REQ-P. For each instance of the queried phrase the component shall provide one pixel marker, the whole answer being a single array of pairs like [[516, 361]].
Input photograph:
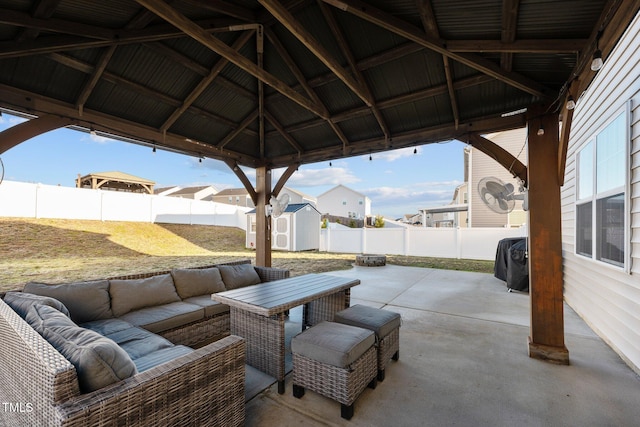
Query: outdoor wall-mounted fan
[[500, 197], [277, 206]]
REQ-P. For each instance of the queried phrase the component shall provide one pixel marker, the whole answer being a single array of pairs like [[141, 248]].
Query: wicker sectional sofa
[[147, 349]]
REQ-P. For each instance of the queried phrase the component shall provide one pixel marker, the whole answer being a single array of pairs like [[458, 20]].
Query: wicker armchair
[[38, 386]]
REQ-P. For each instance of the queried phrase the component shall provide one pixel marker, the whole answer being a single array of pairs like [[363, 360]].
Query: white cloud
[[396, 201], [319, 177], [101, 139]]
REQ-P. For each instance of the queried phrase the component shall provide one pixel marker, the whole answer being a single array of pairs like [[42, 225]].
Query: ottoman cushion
[[333, 344], [382, 322]]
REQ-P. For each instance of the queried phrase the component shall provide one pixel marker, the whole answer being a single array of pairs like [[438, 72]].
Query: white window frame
[[595, 196]]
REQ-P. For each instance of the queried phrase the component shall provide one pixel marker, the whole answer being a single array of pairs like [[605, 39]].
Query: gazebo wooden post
[[263, 229], [546, 340]]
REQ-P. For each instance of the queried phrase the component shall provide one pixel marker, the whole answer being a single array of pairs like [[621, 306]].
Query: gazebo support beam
[[546, 340], [263, 223], [19, 133]]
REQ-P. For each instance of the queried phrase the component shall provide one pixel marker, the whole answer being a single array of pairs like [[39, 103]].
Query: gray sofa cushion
[[107, 326], [164, 317], [238, 276], [191, 282], [138, 342], [333, 344], [161, 356], [211, 307], [21, 302], [382, 322], [132, 294], [86, 301], [98, 360]]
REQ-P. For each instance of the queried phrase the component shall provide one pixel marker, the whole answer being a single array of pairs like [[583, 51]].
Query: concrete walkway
[[463, 362]]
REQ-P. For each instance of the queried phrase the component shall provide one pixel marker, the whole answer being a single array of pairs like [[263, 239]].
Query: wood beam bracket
[[245, 181]]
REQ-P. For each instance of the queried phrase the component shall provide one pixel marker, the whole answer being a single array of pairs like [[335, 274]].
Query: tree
[[379, 221]]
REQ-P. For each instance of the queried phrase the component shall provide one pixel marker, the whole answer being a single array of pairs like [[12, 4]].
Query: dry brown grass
[[54, 251]]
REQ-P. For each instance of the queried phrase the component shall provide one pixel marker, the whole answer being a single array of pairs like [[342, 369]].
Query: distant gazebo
[[115, 181]]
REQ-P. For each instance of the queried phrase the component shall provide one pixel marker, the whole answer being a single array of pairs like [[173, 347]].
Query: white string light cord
[[1, 171]]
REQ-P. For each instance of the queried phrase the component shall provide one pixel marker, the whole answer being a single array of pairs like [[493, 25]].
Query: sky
[[398, 182]]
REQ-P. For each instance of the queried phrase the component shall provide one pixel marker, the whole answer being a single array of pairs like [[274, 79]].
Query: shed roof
[[292, 208]]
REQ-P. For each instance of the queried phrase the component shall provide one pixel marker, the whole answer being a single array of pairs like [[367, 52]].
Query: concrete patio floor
[[463, 361]]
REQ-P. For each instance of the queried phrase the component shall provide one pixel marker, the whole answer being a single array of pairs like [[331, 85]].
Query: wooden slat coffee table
[[258, 314]]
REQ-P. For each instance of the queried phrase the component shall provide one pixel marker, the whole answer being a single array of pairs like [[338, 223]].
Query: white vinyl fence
[[25, 200], [461, 243]]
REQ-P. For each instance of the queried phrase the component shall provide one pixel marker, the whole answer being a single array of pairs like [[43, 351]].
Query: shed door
[[280, 233]]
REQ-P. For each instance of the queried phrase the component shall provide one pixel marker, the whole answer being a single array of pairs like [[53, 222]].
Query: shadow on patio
[[463, 361]]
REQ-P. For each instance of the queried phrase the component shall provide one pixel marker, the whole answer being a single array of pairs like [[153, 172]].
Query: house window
[[601, 195], [344, 203]]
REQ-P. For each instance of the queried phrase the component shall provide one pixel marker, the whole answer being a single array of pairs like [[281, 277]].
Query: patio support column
[[263, 223], [546, 340]]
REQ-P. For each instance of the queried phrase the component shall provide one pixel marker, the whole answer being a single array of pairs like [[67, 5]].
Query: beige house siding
[[483, 166], [605, 296]]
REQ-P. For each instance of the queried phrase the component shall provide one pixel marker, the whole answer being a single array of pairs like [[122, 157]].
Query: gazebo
[[279, 83], [116, 181]]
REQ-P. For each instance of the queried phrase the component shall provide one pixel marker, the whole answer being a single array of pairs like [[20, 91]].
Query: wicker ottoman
[[385, 324], [335, 360]]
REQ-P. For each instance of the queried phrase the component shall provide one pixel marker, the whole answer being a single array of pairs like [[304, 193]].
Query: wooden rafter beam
[[84, 67], [21, 132], [18, 99], [295, 70], [406, 139], [508, 33], [298, 30], [500, 155], [612, 23], [243, 179], [402, 28], [431, 28], [544, 46], [93, 37], [348, 54], [286, 135], [239, 129], [284, 178], [399, 100], [43, 9], [192, 29], [226, 8], [204, 83]]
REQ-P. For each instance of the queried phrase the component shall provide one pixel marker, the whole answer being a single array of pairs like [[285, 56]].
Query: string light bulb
[[596, 62], [540, 130], [415, 150], [154, 149], [571, 103], [92, 131]]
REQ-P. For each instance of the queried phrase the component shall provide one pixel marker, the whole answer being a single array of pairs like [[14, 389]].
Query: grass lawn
[[57, 250]]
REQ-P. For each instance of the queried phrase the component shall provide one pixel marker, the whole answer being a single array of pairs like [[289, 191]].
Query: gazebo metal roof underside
[[284, 82]]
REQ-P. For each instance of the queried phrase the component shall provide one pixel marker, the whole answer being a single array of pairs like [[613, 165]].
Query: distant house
[[165, 191], [115, 181], [240, 197], [234, 196], [480, 166], [345, 202], [205, 192], [297, 229], [296, 196], [455, 214]]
